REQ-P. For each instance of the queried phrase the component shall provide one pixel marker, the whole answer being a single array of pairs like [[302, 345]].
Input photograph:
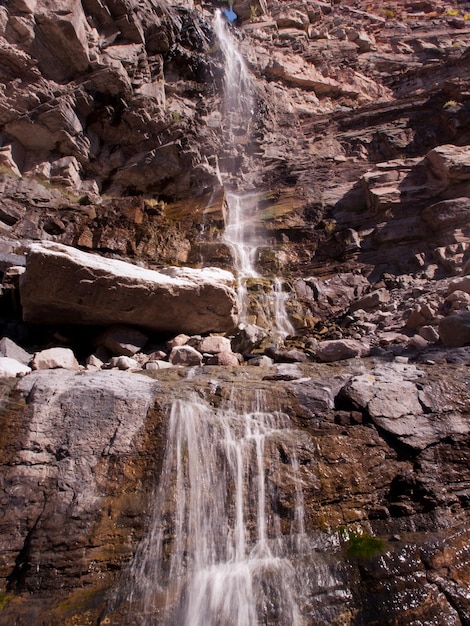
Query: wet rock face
[[78, 436], [112, 141], [84, 451]]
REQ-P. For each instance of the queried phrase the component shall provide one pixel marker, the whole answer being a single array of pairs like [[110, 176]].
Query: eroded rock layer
[[113, 141], [382, 449]]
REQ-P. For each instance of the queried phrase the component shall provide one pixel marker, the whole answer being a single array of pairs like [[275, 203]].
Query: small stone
[[124, 363], [141, 358], [429, 333], [247, 337], [458, 300], [371, 300], [401, 359], [122, 340], [94, 363], [391, 337], [285, 371], [343, 418], [261, 361], [227, 358], [10, 349], [12, 368], [157, 365], [286, 356], [53, 358], [180, 340], [157, 355], [185, 356], [415, 320], [214, 344], [340, 349], [418, 342]]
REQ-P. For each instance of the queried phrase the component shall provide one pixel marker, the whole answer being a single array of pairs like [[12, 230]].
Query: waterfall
[[218, 552], [242, 237], [238, 87], [227, 521], [243, 233], [284, 326]]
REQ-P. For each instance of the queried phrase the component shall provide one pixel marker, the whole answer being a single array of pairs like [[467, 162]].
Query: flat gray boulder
[[67, 286]]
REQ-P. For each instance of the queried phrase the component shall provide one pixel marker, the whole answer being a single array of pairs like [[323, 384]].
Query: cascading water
[[218, 550], [243, 232], [242, 237], [222, 540], [238, 91], [284, 327]]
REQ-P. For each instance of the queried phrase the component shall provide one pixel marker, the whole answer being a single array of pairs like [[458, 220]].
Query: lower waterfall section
[[220, 550], [262, 300]]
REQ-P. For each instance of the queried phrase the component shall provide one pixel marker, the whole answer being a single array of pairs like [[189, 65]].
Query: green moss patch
[[363, 546]]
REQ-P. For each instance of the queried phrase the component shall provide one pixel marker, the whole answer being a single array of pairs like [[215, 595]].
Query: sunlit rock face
[[115, 146]]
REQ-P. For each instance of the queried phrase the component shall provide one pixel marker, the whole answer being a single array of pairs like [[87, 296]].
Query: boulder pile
[[425, 320]]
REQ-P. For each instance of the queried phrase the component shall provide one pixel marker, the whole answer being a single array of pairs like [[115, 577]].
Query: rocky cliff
[[113, 143]]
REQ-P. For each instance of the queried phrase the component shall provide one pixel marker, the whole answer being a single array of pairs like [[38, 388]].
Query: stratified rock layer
[[113, 140], [67, 286]]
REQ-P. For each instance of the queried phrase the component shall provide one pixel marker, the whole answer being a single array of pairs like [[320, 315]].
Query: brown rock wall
[[112, 141], [88, 458]]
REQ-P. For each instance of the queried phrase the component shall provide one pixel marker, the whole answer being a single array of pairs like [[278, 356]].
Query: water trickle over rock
[[114, 139]]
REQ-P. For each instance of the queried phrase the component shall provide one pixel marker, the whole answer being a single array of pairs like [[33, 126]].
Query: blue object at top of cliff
[[230, 14]]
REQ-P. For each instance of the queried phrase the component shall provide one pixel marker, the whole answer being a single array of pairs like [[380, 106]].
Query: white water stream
[[243, 232], [216, 554], [220, 547], [238, 87]]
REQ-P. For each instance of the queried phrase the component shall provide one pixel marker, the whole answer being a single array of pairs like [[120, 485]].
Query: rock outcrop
[[114, 160], [65, 286], [382, 450], [73, 440]]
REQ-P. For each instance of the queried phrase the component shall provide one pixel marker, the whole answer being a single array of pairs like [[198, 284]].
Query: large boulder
[[61, 44], [447, 214], [64, 285], [450, 163], [185, 355]]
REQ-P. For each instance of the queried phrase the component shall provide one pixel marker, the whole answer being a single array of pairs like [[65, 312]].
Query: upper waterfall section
[[237, 104]]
